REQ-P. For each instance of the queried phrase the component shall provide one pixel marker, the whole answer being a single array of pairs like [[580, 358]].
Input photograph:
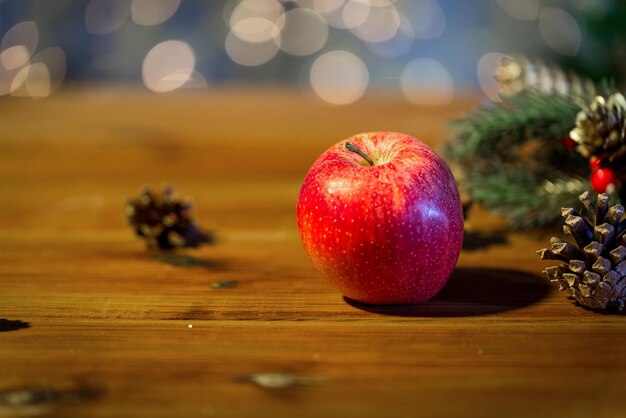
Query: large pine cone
[[592, 269], [601, 129]]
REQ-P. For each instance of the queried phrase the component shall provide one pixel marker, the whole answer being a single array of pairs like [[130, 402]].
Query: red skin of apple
[[384, 234]]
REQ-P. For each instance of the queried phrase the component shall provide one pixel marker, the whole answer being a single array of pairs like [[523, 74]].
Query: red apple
[[380, 215]]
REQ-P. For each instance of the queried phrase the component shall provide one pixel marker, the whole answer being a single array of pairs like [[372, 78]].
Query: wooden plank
[[92, 324]]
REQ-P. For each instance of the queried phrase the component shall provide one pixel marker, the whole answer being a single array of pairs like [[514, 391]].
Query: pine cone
[[164, 220], [519, 73], [601, 129], [592, 269]]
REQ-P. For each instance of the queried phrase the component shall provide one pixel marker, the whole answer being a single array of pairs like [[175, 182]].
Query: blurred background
[[428, 51]]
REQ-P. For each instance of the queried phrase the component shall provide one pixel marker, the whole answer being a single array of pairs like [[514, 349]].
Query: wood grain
[[93, 325]]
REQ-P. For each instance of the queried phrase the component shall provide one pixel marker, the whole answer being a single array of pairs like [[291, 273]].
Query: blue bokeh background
[[472, 29]]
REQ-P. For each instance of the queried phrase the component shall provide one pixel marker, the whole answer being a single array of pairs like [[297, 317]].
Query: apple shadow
[[475, 240], [472, 292]]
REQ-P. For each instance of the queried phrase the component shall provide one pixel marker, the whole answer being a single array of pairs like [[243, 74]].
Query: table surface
[[93, 324]]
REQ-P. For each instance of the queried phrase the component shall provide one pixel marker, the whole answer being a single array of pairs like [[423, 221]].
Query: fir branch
[[525, 199], [513, 159], [511, 122]]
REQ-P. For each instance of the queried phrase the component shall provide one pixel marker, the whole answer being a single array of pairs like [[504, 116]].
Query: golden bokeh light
[[486, 70], [381, 23], [267, 9], [322, 6], [55, 61], [339, 77], [24, 72], [355, 13], [14, 57], [32, 81], [255, 29], [24, 34], [250, 54], [304, 32], [153, 12], [168, 66], [392, 36]]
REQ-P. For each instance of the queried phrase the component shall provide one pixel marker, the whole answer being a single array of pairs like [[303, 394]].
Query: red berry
[[595, 163], [603, 179], [568, 142]]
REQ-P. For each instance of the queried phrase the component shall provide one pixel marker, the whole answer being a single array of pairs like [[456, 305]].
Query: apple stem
[[352, 148]]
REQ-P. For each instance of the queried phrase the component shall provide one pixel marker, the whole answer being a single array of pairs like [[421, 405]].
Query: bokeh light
[[24, 36], [560, 31], [42, 76], [339, 77], [355, 13], [303, 32], [56, 64], [380, 3], [168, 66], [6, 78], [266, 9], [382, 23], [390, 39], [17, 82], [195, 81], [14, 57], [106, 16], [427, 81], [248, 53], [486, 70], [255, 29], [427, 18], [322, 6], [521, 10], [397, 46], [25, 72], [32, 81], [153, 12], [334, 16]]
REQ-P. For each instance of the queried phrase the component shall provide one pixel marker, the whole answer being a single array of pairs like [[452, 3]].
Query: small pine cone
[[593, 267], [601, 129], [164, 220], [518, 73]]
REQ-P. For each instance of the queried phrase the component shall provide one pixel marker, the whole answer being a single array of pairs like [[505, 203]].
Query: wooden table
[[94, 325]]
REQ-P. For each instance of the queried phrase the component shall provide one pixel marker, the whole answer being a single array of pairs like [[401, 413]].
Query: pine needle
[[513, 159]]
